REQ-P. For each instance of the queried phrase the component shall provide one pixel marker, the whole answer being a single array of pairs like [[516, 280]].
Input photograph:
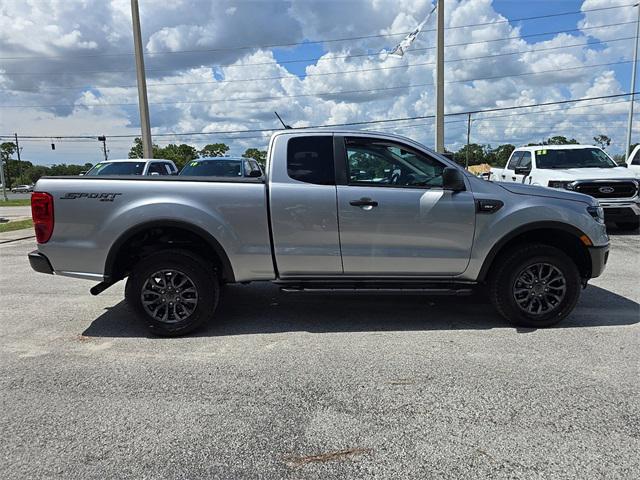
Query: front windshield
[[213, 168], [117, 168], [573, 158]]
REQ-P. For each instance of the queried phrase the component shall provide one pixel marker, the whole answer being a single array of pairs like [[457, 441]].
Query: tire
[[628, 226], [175, 279], [514, 285]]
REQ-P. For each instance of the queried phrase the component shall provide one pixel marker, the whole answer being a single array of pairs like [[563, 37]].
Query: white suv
[[581, 168]]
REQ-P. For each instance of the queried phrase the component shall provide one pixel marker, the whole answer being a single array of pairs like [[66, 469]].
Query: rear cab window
[[310, 160]]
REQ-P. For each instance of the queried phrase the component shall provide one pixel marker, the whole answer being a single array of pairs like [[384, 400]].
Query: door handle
[[364, 202], [503, 176]]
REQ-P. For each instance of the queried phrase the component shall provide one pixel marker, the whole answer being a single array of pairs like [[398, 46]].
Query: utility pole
[[634, 67], [18, 153], [440, 78], [4, 184], [468, 137], [103, 139], [145, 124]]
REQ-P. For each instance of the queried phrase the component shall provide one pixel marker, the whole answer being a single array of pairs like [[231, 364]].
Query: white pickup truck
[[580, 168], [633, 162]]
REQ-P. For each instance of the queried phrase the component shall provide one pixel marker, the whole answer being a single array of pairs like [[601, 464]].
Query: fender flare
[[544, 225], [227, 269]]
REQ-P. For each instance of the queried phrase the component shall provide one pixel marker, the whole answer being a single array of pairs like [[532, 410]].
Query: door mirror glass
[[453, 179]]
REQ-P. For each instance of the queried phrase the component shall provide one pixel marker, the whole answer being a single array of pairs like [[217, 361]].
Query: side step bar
[[378, 288]]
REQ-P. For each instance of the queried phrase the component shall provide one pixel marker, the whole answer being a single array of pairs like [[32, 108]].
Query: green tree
[[137, 151], [560, 140], [7, 149], [477, 154], [214, 150], [602, 140], [501, 154], [179, 154], [259, 156]]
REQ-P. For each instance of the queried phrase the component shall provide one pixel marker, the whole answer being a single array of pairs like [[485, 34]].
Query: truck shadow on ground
[[262, 308]]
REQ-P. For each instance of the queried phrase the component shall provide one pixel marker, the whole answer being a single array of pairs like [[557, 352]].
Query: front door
[[395, 219]]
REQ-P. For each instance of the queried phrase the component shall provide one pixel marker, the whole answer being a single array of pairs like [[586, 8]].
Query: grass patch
[[22, 202], [19, 225]]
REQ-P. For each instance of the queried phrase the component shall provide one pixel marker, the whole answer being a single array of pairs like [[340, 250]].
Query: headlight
[[597, 213], [561, 184]]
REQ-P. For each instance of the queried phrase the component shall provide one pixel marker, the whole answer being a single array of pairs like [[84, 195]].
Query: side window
[[255, 166], [310, 160], [513, 161], [525, 160], [158, 168], [636, 159], [380, 162]]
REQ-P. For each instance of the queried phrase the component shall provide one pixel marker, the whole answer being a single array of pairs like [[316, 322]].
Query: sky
[[66, 68]]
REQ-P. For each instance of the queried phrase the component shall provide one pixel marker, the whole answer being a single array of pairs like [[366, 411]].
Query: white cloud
[[72, 30]]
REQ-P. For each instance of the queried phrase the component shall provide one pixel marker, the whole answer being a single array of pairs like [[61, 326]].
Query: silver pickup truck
[[335, 211]]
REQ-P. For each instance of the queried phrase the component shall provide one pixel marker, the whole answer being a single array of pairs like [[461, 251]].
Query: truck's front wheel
[[535, 286], [175, 292]]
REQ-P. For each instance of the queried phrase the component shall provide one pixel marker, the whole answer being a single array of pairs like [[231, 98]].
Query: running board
[[378, 288]]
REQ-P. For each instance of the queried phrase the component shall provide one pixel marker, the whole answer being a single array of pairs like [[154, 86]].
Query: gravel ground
[[317, 387]]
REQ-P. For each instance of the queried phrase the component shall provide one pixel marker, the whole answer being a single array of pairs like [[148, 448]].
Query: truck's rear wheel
[[174, 292], [535, 286]]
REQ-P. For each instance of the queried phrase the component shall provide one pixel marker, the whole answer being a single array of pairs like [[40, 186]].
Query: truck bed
[[92, 214]]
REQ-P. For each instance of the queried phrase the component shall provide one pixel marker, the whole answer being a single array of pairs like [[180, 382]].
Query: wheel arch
[[212, 248], [556, 234]]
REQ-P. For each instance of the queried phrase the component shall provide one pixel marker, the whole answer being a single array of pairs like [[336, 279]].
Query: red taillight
[[42, 214]]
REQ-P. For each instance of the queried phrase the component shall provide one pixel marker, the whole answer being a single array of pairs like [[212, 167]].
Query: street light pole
[[2, 181], [468, 138], [634, 67], [440, 78], [145, 124]]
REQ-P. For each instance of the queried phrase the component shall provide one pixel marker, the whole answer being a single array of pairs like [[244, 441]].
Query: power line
[[317, 94], [556, 32], [331, 40], [346, 124], [343, 72]]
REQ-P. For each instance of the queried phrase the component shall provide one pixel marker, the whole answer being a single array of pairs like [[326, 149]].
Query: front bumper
[[40, 263], [620, 212], [599, 257]]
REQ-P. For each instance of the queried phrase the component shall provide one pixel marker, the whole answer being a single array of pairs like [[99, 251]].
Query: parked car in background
[[222, 167], [22, 189], [129, 166], [633, 162], [580, 168]]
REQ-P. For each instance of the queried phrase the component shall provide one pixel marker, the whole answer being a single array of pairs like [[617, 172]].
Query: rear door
[[395, 218], [302, 202]]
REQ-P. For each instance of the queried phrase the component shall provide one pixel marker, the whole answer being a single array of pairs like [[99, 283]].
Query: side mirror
[[254, 173], [522, 171], [453, 179]]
